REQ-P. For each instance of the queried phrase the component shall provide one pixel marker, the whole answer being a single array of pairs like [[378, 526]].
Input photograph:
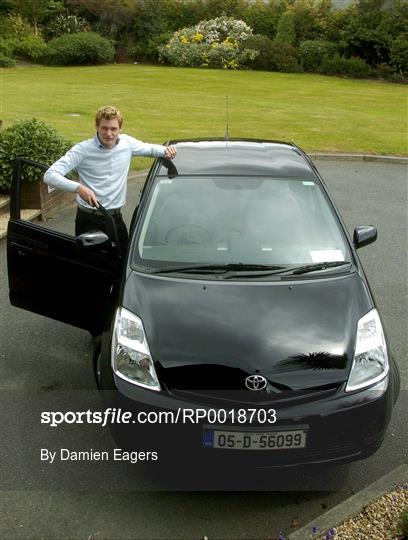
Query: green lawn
[[158, 103]]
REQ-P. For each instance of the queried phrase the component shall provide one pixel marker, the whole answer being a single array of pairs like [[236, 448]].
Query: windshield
[[237, 220]]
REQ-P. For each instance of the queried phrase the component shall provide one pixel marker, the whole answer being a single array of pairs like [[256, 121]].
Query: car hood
[[211, 334]]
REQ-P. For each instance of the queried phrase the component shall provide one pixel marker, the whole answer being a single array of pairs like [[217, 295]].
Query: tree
[[361, 30], [263, 17], [36, 10], [286, 32], [311, 19], [110, 17]]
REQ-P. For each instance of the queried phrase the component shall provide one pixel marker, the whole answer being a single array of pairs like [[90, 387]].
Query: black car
[[239, 326]]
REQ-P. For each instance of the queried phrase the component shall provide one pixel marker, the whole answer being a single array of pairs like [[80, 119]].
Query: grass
[[318, 113]]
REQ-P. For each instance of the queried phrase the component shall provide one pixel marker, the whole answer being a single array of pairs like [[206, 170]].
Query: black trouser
[[85, 222]]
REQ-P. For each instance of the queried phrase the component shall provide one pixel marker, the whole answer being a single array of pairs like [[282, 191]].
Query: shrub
[[283, 57], [15, 25], [383, 71], [6, 61], [226, 55], [4, 25], [272, 55], [399, 54], [30, 47], [214, 43], [32, 139], [178, 53], [67, 24], [5, 47], [286, 32], [350, 67], [261, 44], [398, 78], [312, 53], [149, 51], [404, 523], [77, 49]]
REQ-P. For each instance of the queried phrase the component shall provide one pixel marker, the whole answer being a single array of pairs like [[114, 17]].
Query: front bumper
[[344, 427]]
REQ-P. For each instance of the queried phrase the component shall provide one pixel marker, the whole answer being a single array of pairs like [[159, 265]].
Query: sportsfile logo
[[182, 416]]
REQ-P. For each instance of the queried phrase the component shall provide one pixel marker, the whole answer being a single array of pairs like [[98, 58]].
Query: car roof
[[249, 157]]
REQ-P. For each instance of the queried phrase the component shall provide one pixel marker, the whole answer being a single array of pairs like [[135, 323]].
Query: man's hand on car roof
[[170, 152]]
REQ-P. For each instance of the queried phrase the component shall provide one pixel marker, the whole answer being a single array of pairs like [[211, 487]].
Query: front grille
[[235, 397]]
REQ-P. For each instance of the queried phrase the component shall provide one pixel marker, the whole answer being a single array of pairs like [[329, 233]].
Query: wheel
[[101, 362]]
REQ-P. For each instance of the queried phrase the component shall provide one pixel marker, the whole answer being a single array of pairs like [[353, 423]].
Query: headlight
[[131, 359], [370, 363]]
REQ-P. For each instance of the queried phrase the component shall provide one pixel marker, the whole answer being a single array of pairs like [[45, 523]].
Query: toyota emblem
[[256, 382]]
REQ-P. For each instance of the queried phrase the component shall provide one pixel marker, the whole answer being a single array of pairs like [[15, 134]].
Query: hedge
[[78, 49], [349, 67]]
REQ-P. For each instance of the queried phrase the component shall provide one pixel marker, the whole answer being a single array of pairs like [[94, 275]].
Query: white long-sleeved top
[[104, 170]]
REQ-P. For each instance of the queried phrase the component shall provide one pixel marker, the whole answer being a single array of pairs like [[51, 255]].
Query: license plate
[[255, 440]]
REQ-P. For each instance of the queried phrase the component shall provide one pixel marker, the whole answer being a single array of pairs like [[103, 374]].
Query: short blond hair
[[108, 113]]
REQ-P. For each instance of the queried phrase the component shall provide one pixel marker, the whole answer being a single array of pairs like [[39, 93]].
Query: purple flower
[[314, 529]]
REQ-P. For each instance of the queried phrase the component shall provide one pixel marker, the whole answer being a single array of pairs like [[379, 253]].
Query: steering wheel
[[188, 233]]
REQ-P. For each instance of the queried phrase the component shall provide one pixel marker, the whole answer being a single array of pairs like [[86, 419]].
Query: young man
[[102, 164]]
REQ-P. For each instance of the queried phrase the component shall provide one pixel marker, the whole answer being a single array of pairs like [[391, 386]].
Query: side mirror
[[364, 235], [92, 240]]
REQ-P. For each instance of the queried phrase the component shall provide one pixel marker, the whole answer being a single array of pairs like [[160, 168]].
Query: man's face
[[108, 132]]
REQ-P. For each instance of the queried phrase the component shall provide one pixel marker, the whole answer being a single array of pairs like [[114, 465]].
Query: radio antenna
[[227, 132]]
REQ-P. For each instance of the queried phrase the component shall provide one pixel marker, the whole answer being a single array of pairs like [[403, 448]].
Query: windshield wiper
[[283, 271], [217, 268], [316, 266]]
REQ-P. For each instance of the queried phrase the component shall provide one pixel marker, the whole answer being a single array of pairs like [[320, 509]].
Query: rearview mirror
[[92, 240], [364, 235]]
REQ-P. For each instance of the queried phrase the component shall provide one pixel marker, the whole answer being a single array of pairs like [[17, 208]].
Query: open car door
[[57, 275]]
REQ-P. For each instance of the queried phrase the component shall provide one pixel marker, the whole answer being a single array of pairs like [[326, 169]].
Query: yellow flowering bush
[[217, 43], [198, 38]]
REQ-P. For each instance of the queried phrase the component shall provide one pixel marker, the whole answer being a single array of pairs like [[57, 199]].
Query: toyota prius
[[240, 311]]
